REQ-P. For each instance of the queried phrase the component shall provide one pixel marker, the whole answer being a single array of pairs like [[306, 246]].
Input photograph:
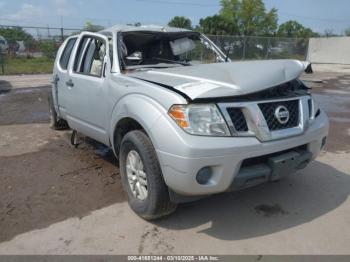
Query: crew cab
[[184, 120]]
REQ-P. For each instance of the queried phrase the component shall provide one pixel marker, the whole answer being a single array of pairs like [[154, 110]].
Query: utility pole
[[48, 32], [62, 36], [38, 34]]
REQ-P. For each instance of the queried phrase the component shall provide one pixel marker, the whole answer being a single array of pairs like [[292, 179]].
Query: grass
[[22, 65]]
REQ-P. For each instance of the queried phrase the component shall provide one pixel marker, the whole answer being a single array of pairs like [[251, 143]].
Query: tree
[[92, 27], [135, 24], [13, 34], [214, 25], [249, 17], [347, 31], [294, 29], [16, 34], [329, 33], [180, 22]]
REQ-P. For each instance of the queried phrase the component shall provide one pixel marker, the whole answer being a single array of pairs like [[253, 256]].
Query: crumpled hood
[[225, 79]]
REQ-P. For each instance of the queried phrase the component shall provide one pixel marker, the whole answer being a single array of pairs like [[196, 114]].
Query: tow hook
[[74, 138]]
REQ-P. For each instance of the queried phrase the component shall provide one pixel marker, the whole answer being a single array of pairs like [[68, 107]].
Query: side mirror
[[308, 69], [135, 57]]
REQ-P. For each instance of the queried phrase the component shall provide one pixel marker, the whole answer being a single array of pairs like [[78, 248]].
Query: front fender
[[141, 108]]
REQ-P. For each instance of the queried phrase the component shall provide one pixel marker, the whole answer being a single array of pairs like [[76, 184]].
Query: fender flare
[[140, 108]]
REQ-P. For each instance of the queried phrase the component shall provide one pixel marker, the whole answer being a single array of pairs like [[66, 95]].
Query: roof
[[155, 28]]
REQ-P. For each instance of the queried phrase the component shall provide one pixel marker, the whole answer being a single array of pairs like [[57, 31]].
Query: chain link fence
[[257, 48], [29, 50]]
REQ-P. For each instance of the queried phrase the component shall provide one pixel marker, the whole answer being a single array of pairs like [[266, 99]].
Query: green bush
[[48, 48]]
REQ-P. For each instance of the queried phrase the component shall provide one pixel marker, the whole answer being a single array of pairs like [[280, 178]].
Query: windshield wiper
[[172, 61]]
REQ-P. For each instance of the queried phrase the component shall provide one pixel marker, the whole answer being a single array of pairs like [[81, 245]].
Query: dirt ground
[[57, 199], [43, 178]]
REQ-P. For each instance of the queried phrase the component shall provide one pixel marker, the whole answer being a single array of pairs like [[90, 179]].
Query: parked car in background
[[3, 45], [183, 120]]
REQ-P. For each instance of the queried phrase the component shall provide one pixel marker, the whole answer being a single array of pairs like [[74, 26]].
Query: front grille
[[268, 110], [237, 119]]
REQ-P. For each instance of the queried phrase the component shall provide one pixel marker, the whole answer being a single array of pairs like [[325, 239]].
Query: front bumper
[[181, 155], [271, 167]]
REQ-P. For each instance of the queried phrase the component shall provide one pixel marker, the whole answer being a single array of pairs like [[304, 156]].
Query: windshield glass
[[143, 49]]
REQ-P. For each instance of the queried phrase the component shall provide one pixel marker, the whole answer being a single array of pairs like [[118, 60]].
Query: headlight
[[200, 119]]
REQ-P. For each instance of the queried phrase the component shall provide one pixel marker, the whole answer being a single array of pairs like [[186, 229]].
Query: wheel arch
[[134, 112], [124, 125]]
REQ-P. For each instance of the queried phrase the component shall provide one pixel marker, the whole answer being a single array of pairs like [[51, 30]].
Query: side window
[[66, 53], [89, 59]]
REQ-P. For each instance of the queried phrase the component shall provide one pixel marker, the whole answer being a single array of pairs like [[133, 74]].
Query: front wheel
[[142, 178]]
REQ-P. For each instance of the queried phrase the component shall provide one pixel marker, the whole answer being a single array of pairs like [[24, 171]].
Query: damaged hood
[[224, 79]]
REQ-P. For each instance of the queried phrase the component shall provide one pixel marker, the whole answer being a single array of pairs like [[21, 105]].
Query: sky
[[319, 15]]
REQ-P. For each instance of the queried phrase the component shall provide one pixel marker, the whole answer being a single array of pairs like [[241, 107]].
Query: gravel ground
[[56, 199]]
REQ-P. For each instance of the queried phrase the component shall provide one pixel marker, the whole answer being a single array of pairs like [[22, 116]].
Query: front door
[[87, 87]]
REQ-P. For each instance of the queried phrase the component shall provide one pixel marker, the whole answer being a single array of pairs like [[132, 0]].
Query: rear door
[[60, 76], [87, 86]]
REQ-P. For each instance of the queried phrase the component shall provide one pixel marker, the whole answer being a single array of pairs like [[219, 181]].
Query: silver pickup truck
[[183, 120]]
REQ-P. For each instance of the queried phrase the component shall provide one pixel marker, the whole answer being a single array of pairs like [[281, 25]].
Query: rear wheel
[[55, 122], [142, 178]]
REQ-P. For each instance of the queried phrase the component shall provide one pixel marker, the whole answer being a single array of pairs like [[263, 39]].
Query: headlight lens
[[200, 119]]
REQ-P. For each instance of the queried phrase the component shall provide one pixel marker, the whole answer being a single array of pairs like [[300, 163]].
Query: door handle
[[70, 83]]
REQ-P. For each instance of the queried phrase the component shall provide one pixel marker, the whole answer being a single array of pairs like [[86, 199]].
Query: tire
[[157, 202], [55, 122]]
